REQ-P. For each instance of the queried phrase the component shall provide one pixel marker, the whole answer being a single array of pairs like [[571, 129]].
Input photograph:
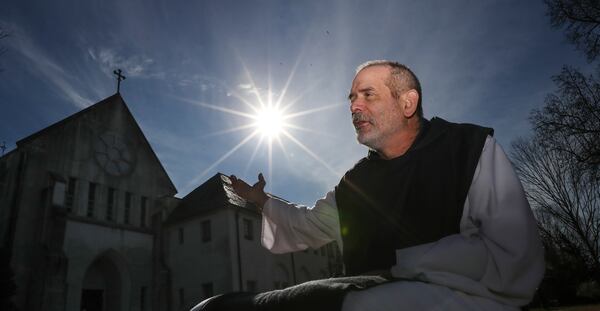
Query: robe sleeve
[[498, 253], [288, 227]]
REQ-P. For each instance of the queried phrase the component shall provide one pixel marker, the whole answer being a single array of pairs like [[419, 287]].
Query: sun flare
[[269, 122]]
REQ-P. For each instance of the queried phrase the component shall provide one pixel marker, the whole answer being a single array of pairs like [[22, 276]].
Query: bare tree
[[570, 120], [581, 18], [559, 167], [565, 201], [560, 164]]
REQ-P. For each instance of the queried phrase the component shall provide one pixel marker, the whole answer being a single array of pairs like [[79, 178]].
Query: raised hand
[[254, 193]]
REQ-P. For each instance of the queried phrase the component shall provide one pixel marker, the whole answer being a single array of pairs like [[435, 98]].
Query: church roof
[[115, 99], [66, 120], [215, 193]]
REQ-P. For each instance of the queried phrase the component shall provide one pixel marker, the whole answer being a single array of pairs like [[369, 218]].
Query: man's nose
[[356, 105]]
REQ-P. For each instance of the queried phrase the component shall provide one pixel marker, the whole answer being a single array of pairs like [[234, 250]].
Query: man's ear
[[409, 102]]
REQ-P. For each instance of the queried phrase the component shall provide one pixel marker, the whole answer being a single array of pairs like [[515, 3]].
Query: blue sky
[[484, 62]]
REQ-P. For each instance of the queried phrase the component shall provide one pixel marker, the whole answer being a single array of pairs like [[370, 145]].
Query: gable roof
[[215, 193], [110, 99], [115, 99]]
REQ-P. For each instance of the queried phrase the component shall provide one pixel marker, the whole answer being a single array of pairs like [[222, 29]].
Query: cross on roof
[[3, 147], [120, 78]]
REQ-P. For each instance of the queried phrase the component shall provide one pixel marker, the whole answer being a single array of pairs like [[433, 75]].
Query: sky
[[197, 71]]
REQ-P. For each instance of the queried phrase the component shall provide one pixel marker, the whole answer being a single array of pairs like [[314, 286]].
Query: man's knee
[[229, 302], [204, 304]]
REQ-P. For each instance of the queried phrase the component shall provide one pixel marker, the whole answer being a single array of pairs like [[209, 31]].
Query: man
[[435, 209]]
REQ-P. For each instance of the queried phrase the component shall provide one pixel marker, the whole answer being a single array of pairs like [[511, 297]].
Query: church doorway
[[102, 288], [92, 300]]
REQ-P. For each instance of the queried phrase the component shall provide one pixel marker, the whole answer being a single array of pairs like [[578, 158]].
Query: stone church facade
[[90, 219]]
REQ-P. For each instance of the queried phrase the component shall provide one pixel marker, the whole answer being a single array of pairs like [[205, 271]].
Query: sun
[[270, 122]]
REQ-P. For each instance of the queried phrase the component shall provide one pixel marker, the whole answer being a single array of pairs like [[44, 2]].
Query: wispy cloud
[[263, 94], [201, 82], [134, 66], [250, 89], [41, 64]]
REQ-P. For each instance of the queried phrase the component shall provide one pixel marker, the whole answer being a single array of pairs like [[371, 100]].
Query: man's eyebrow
[[366, 89]]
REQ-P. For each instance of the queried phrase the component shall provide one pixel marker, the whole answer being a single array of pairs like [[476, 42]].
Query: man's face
[[376, 114]]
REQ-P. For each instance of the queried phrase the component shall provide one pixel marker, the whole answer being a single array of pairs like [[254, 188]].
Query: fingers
[[261, 182], [239, 185], [254, 194], [234, 181]]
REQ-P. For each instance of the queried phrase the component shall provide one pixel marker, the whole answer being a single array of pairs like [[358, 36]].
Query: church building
[[212, 245], [89, 218]]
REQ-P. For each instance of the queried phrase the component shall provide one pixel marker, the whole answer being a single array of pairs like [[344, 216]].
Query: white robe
[[494, 263]]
